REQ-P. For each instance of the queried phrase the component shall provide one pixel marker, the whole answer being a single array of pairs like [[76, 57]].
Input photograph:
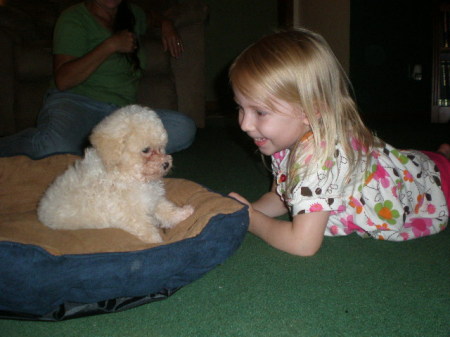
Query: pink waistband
[[443, 165]]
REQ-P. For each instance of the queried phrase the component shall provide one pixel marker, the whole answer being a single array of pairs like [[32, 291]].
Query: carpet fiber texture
[[352, 287]]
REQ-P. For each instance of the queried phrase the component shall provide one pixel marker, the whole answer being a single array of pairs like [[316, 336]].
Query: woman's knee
[[50, 144], [181, 130]]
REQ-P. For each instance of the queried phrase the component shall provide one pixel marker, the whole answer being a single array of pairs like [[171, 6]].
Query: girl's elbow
[[305, 251], [308, 253]]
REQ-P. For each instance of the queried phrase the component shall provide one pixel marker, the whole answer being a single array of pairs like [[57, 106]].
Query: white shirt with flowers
[[398, 197]]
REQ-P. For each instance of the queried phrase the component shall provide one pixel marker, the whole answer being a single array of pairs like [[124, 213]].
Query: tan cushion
[[23, 181]]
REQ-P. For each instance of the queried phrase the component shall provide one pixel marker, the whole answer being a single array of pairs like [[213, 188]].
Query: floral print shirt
[[396, 197]]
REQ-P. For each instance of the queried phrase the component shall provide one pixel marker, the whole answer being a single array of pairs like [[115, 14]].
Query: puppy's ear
[[109, 149]]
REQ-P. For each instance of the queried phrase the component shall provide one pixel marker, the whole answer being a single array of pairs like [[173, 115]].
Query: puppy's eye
[[146, 150]]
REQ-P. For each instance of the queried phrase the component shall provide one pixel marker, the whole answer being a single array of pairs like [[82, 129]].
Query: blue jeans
[[67, 119]]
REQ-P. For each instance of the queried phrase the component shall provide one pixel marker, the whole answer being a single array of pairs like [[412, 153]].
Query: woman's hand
[[123, 42], [69, 71], [170, 39]]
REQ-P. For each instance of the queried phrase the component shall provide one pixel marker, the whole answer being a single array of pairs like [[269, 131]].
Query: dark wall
[[387, 38], [232, 26]]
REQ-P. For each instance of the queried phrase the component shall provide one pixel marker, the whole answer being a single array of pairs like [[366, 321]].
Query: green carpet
[[352, 287]]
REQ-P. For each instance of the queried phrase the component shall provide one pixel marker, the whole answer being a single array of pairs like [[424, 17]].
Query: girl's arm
[[271, 204], [69, 71], [303, 236]]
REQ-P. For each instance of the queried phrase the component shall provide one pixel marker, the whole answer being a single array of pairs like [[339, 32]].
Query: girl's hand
[[241, 199], [269, 204], [302, 236]]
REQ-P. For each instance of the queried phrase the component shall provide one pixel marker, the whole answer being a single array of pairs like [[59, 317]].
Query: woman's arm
[[70, 71]]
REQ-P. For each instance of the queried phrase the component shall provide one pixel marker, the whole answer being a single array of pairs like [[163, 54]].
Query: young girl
[[330, 172]]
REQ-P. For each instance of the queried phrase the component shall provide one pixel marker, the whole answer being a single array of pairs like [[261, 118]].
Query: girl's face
[[272, 129]]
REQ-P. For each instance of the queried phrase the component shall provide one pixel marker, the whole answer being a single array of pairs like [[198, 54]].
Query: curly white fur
[[118, 183]]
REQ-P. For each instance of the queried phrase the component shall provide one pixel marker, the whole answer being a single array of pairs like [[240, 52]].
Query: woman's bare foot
[[444, 149]]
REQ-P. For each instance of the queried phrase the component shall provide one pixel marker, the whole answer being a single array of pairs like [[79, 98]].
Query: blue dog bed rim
[[39, 286]]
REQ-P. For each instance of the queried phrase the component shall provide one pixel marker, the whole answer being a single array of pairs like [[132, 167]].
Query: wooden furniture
[[440, 98]]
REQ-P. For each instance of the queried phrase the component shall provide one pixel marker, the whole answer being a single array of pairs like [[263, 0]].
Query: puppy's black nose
[[166, 165]]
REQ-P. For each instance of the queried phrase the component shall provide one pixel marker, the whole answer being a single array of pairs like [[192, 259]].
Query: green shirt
[[76, 33]]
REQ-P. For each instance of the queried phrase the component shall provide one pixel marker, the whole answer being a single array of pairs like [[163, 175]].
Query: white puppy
[[119, 182]]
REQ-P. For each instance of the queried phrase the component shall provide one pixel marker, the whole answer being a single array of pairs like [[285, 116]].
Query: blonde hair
[[299, 67]]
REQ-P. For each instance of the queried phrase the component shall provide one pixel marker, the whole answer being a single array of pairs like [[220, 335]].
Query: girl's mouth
[[260, 141]]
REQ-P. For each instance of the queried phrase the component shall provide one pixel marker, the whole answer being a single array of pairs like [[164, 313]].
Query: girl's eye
[[261, 113]]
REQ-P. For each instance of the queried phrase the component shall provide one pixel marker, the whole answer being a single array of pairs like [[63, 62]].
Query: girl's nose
[[245, 121]]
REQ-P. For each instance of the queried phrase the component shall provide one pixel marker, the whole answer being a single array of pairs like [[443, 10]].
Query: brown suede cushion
[[23, 181]]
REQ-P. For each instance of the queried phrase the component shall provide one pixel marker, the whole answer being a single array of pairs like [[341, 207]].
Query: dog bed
[[50, 274]]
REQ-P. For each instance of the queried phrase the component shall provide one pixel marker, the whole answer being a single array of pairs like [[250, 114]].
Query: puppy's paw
[[150, 237], [177, 215], [184, 212], [144, 231]]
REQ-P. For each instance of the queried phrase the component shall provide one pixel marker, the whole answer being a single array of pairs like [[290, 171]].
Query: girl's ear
[[317, 116], [305, 119]]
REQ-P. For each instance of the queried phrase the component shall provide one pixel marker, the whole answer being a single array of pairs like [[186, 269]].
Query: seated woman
[[97, 66]]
